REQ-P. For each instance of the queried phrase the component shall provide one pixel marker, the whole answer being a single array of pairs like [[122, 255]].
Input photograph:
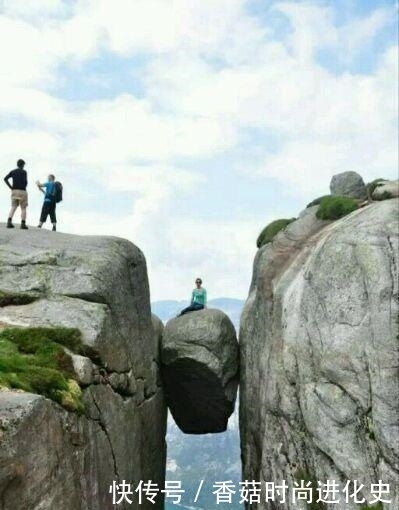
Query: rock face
[[386, 187], [348, 184], [49, 457], [200, 370], [319, 355]]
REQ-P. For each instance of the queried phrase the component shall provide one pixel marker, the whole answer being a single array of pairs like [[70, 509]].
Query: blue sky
[[187, 125]]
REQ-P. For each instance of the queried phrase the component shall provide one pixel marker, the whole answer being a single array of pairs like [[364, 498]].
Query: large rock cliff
[[51, 458], [319, 355]]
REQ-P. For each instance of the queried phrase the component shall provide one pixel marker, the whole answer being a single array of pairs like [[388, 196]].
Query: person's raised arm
[[40, 186], [6, 179]]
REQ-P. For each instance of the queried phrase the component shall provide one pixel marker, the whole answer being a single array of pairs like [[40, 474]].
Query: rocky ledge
[[50, 456]]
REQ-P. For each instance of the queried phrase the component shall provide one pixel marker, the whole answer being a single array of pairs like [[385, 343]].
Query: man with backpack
[[19, 195], [52, 195]]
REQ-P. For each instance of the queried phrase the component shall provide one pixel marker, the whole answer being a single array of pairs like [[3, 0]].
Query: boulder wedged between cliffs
[[199, 357]]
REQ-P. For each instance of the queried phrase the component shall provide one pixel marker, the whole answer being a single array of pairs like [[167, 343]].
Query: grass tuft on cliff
[[317, 201], [271, 230], [334, 207], [375, 506], [34, 360]]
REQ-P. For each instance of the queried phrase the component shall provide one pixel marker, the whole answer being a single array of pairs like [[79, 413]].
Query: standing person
[[198, 298], [49, 203], [19, 195]]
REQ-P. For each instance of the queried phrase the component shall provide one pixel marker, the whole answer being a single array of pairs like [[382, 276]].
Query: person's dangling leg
[[192, 308], [187, 310]]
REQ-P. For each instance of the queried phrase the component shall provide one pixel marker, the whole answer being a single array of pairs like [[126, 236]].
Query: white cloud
[[152, 187], [126, 128], [35, 145], [161, 26], [359, 33], [212, 76], [33, 10], [349, 122], [313, 29], [221, 253], [179, 249]]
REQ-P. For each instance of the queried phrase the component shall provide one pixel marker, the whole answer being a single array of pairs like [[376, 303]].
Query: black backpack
[[57, 192]]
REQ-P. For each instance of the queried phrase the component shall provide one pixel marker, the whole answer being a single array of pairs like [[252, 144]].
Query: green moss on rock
[[270, 231], [317, 201], [34, 360], [15, 298], [375, 506], [335, 207]]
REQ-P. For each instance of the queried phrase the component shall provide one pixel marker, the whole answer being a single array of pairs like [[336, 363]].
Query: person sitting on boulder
[[49, 203], [198, 298]]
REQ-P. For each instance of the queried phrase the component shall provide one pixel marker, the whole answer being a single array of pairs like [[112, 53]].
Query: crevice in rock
[[344, 390], [90, 298], [8, 298], [148, 398], [104, 429]]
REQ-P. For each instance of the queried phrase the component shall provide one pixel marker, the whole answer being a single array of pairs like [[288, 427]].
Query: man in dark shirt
[[19, 195]]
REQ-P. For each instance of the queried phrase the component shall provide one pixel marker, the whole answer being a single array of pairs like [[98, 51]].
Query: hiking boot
[[9, 224], [54, 229], [23, 226], [39, 226]]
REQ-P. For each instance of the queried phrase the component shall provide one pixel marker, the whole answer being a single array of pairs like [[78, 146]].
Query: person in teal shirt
[[198, 298], [49, 204]]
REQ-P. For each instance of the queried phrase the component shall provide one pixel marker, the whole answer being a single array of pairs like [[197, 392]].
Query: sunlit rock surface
[[319, 355], [54, 459]]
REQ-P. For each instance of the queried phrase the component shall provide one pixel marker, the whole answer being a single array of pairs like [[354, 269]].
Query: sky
[[186, 126]]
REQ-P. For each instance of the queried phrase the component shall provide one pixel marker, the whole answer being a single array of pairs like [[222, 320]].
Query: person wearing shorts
[[19, 195]]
